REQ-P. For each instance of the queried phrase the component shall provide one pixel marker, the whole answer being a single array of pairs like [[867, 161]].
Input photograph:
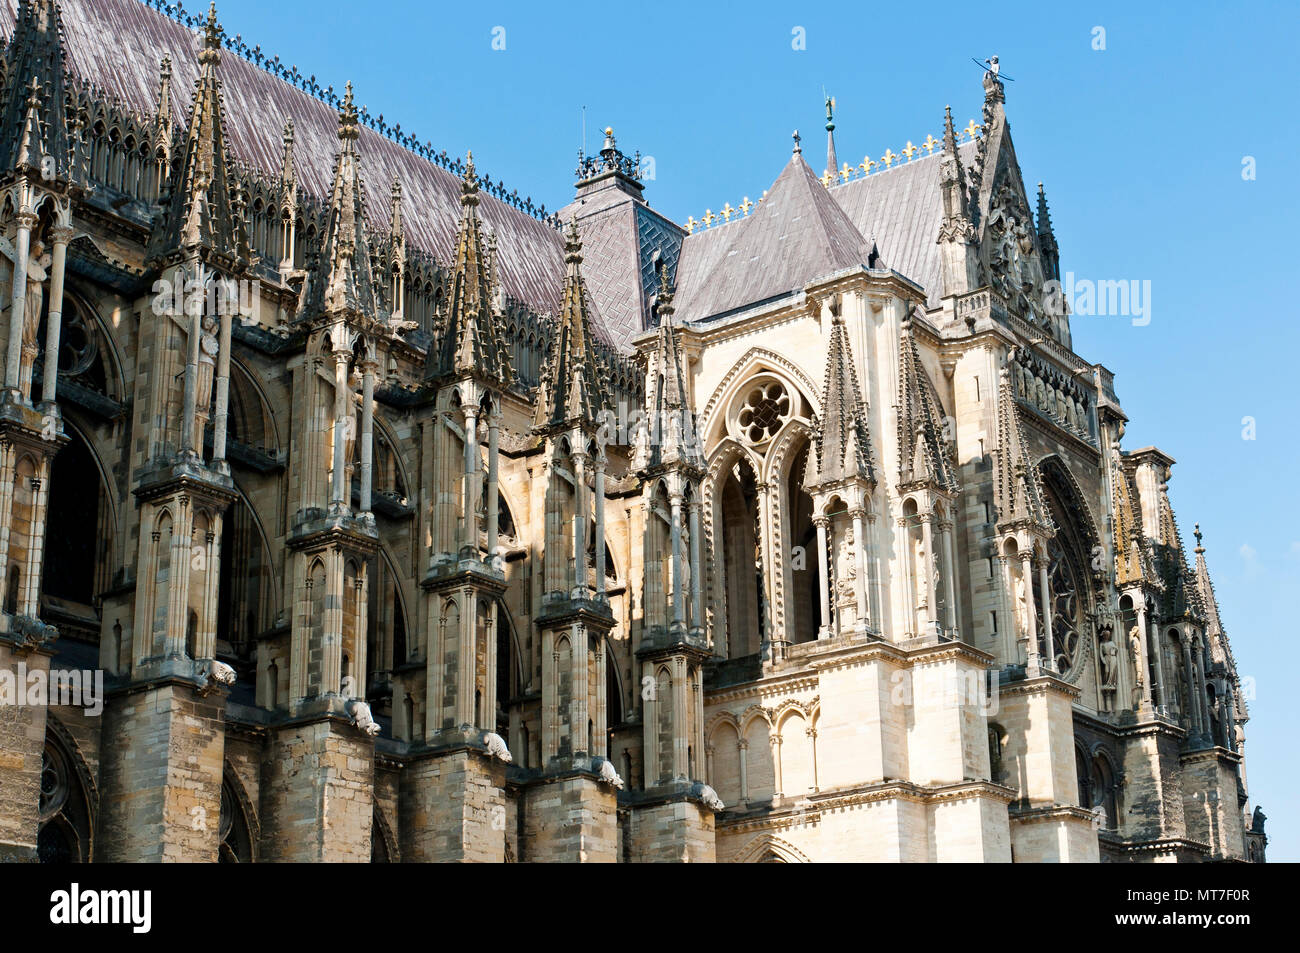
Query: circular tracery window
[[765, 408]]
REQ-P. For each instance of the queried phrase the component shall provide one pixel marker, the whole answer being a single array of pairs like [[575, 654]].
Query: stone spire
[[832, 163], [288, 169], [571, 392], [199, 213], [346, 260], [472, 344], [670, 437], [36, 65], [163, 121], [956, 232], [922, 446], [1047, 238], [1017, 489], [842, 448]]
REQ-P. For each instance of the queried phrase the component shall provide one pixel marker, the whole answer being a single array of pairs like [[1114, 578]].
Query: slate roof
[[116, 45], [797, 233], [901, 209]]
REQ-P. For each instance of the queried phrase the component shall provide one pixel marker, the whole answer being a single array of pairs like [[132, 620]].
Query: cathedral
[[355, 508]]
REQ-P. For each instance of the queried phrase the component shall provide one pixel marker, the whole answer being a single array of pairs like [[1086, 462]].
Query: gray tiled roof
[[117, 45], [901, 210], [797, 233]]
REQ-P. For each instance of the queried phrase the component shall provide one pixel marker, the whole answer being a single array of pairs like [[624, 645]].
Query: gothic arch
[[247, 391], [753, 362], [69, 800], [769, 848], [239, 832], [386, 852]]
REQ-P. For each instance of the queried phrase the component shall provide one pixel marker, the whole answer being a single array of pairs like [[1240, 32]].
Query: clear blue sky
[[1140, 147]]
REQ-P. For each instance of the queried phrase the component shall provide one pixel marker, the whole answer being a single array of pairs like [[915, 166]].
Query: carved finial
[[211, 39], [469, 183], [348, 116], [572, 243], [1197, 533], [797, 148]]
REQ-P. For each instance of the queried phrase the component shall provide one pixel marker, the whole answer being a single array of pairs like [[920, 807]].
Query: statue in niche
[[208, 345], [1022, 606], [1108, 653], [846, 563], [38, 263], [919, 555], [846, 568], [1135, 652]]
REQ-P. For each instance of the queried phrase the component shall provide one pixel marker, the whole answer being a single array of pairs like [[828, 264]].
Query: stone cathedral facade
[[406, 521]]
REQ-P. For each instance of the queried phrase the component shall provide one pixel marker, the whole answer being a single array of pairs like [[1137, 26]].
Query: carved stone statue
[[207, 369], [1135, 653], [38, 261], [1022, 607], [1108, 653]]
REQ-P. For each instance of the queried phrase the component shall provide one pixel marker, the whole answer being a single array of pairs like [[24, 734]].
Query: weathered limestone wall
[[675, 831], [164, 749], [569, 820], [453, 809], [22, 742], [317, 794]]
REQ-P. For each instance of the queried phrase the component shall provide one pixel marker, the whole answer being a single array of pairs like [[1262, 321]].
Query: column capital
[[61, 234]]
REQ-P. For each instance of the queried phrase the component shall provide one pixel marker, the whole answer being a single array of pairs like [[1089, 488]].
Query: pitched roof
[[797, 233], [117, 45], [901, 209]]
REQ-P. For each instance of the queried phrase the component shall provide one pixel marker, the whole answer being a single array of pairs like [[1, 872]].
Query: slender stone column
[[600, 741], [931, 596], [1033, 660], [681, 702], [465, 658], [675, 502], [860, 564], [1046, 591], [359, 632], [493, 501], [907, 582], [367, 434], [219, 421], [580, 520], [823, 584], [54, 325], [600, 527], [550, 679], [1151, 631], [18, 301], [744, 772], [190, 400], [697, 588], [341, 397], [470, 495], [579, 714], [1002, 566], [875, 593], [949, 572]]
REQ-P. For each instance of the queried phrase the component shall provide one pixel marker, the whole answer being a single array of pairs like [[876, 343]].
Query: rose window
[[766, 407]]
